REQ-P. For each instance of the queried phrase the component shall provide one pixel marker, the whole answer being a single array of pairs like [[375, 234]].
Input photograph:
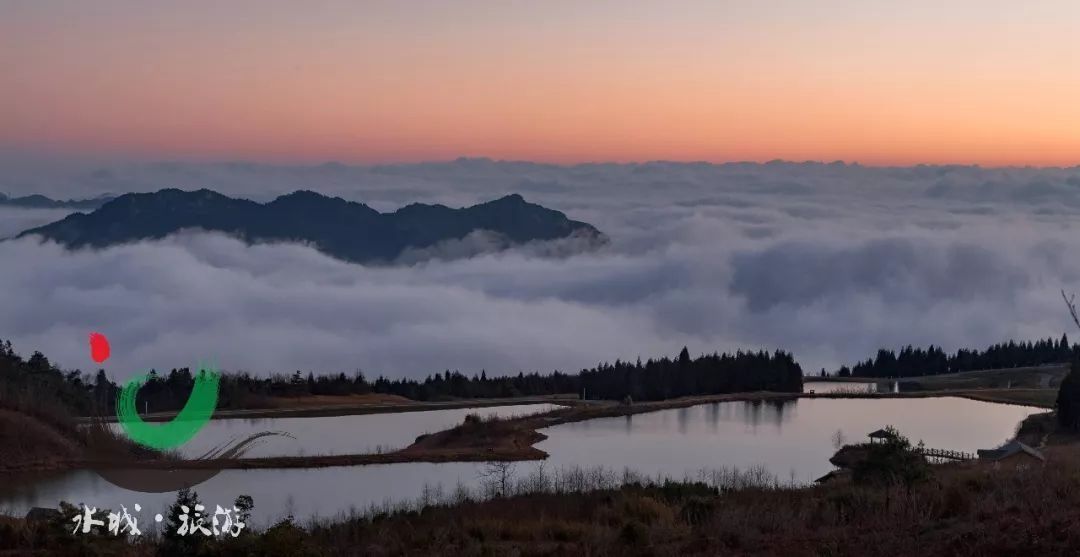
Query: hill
[[38, 201], [342, 229]]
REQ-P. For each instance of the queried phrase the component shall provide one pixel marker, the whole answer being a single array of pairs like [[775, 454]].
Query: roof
[[42, 513], [833, 475], [882, 434], [1009, 449]]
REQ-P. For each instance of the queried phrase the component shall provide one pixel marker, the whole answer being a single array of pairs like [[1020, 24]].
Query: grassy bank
[[1042, 398], [1036, 377]]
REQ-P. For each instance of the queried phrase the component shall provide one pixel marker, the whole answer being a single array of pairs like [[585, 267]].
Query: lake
[[361, 433], [791, 439]]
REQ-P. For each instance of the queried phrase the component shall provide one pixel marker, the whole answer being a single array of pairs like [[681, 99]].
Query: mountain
[[38, 201], [343, 229]]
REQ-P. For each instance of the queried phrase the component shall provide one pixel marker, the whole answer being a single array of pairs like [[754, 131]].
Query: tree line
[[683, 376], [915, 362], [655, 379], [36, 381]]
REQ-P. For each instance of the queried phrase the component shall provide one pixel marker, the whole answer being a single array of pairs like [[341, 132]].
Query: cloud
[[829, 261], [14, 220]]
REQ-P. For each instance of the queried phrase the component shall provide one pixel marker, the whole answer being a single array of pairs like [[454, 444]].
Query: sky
[[956, 227], [881, 83]]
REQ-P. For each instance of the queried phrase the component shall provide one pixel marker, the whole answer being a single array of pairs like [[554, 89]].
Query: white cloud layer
[[829, 261]]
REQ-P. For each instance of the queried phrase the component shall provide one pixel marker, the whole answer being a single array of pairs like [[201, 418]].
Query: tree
[[173, 542], [1068, 400], [244, 504], [891, 462], [497, 477], [684, 357], [38, 362]]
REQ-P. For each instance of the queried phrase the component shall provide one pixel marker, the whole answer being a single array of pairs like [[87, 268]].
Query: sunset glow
[[993, 83]]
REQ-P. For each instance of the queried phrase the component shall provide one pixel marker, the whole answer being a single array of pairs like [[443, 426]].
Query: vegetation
[[1068, 400], [707, 375], [917, 362], [958, 510], [893, 461], [75, 393]]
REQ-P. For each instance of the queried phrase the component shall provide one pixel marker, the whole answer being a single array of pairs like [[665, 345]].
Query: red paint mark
[[99, 347]]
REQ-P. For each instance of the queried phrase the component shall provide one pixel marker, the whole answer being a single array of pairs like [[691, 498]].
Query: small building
[[882, 435], [1013, 454], [42, 514]]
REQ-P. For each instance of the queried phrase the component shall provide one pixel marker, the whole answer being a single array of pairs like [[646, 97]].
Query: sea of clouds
[[830, 261]]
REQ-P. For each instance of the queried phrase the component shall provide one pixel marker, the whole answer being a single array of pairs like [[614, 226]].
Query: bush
[[633, 532], [890, 462], [696, 510]]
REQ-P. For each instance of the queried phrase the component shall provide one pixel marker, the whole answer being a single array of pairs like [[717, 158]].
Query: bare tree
[[1070, 302], [497, 476], [537, 481]]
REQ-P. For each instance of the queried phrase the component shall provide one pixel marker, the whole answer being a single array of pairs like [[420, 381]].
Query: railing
[[943, 454]]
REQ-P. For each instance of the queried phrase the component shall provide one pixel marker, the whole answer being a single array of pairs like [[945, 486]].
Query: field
[[1044, 377]]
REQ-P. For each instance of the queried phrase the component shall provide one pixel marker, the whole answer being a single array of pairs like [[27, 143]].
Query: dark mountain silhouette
[[38, 201], [343, 229]]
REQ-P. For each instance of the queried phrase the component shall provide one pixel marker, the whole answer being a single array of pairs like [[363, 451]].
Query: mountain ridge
[[346, 230], [38, 201]]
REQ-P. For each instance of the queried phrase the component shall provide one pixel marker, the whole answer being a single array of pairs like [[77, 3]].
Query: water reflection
[[712, 415], [790, 439], [771, 412], [781, 435], [363, 433]]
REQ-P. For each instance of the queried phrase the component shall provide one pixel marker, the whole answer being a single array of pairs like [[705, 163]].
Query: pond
[[361, 433], [792, 440]]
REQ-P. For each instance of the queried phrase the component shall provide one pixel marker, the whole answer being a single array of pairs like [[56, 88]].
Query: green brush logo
[[170, 435]]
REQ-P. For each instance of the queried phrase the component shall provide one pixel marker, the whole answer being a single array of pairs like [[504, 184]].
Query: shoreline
[[512, 439], [334, 410]]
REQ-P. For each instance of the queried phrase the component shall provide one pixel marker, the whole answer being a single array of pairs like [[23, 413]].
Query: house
[[1013, 454], [42, 514]]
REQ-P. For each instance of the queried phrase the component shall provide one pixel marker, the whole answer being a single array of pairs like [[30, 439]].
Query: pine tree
[[684, 358], [173, 542]]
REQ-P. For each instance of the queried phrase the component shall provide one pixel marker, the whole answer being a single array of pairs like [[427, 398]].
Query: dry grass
[[964, 510], [335, 400], [29, 443], [1043, 398], [1019, 377]]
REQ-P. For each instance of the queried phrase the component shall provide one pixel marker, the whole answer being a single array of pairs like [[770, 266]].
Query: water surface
[[792, 440], [361, 433]]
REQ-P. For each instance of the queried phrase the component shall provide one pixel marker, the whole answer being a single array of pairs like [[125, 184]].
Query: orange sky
[[989, 82]]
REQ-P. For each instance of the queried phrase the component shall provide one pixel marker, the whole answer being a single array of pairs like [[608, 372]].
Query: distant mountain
[[343, 229], [37, 201]]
